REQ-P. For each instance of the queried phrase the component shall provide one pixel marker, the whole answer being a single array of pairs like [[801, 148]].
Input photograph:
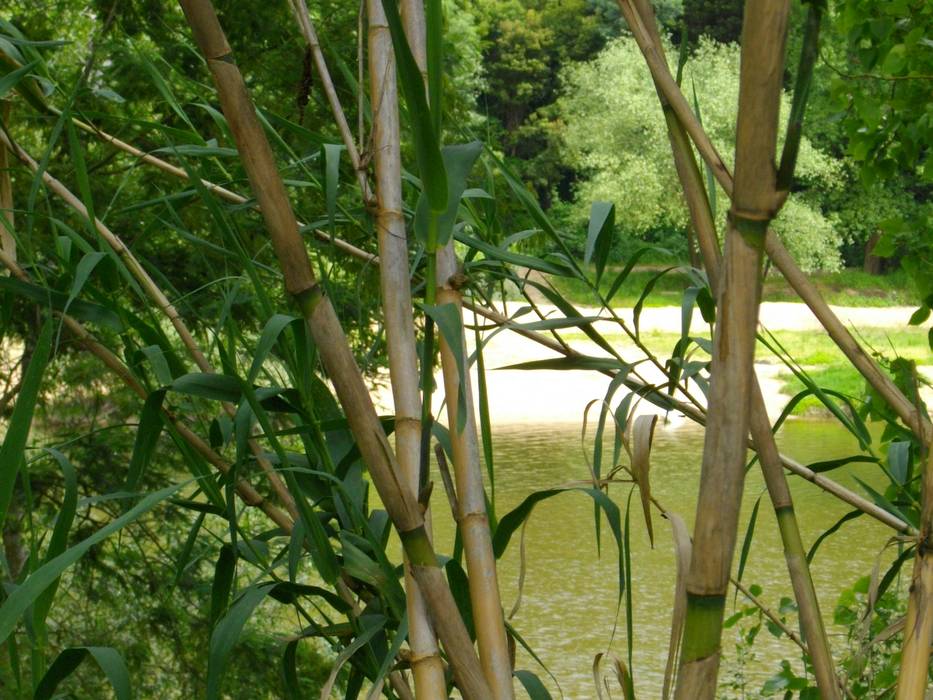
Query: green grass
[[844, 288], [840, 377]]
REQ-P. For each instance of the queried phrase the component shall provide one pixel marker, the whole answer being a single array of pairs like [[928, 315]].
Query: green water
[[569, 599]]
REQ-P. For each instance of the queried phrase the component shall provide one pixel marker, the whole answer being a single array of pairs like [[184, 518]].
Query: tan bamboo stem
[[915, 657], [472, 518], [775, 249], [7, 241], [161, 301], [338, 360], [769, 457], [791, 465], [723, 471], [303, 17], [395, 278]]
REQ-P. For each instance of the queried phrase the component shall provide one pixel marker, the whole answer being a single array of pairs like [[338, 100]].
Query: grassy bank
[[844, 288]]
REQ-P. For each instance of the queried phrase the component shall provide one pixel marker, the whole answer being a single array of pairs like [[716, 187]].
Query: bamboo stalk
[[161, 301], [472, 519], [723, 471], [918, 629], [819, 480], [395, 277], [775, 249], [7, 241], [330, 340], [769, 457]]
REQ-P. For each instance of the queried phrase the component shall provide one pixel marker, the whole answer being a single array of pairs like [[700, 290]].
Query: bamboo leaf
[[447, 318], [642, 437], [629, 266], [12, 79], [512, 520], [227, 633], [851, 515], [58, 542], [573, 362], [147, 435], [12, 450], [109, 660], [331, 180], [218, 387], [81, 310], [599, 235], [645, 293], [267, 340], [427, 140], [507, 256], [532, 685], [222, 583], [458, 162], [747, 542], [376, 624], [683, 550], [26, 594]]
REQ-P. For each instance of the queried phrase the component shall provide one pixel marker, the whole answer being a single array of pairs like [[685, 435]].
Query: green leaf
[[599, 235], [59, 539], [227, 633], [331, 181], [11, 79], [447, 318], [81, 310], [109, 660], [147, 435], [26, 594], [14, 442], [458, 162], [532, 685], [747, 542], [267, 340], [222, 584], [507, 256], [513, 520], [219, 387], [427, 140]]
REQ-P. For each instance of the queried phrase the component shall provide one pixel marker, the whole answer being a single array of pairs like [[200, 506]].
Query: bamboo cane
[[819, 480], [395, 276], [782, 259], [722, 477], [472, 519], [769, 457], [918, 629], [158, 297], [7, 241], [329, 338]]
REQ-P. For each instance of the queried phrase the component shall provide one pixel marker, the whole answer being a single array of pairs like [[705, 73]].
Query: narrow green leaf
[[14, 443], [218, 387], [59, 539], [427, 140], [267, 340], [447, 318], [222, 584], [747, 541], [147, 435], [26, 594], [81, 310], [227, 633], [532, 685], [458, 162], [331, 181], [109, 660], [599, 235]]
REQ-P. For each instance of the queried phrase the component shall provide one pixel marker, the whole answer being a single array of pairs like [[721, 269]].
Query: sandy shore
[[561, 396]]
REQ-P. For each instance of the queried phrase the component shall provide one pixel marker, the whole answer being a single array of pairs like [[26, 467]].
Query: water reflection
[[569, 603]]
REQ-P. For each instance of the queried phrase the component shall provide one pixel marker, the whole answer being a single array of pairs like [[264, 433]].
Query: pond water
[[568, 609]]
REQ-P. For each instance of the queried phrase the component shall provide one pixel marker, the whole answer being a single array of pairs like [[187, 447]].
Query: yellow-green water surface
[[568, 609]]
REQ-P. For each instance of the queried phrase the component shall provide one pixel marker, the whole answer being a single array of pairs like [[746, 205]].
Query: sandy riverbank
[[561, 396]]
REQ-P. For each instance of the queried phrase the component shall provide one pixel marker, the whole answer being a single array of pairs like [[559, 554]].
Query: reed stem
[[395, 276]]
